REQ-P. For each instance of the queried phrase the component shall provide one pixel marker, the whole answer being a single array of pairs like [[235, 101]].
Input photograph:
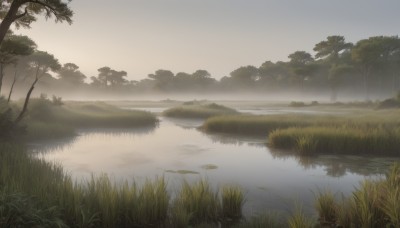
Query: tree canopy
[[24, 12]]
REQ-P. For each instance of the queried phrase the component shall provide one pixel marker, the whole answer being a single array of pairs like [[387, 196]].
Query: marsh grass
[[47, 120], [299, 220], [49, 193], [232, 203], [374, 204], [265, 124], [326, 207], [338, 140], [200, 202], [198, 111]]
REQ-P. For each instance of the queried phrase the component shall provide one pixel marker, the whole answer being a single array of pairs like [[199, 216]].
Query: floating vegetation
[[209, 167], [181, 171]]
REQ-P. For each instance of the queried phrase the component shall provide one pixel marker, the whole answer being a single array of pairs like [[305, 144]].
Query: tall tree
[[162, 78], [301, 64], [13, 47], [24, 12], [42, 62], [372, 54], [330, 50], [71, 75], [245, 76]]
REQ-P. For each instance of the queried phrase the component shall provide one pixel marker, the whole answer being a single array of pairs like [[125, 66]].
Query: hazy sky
[[141, 36]]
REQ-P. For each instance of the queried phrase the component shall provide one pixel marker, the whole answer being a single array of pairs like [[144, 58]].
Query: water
[[177, 150]]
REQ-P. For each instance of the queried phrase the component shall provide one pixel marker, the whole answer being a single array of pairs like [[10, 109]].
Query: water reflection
[[48, 146], [339, 165]]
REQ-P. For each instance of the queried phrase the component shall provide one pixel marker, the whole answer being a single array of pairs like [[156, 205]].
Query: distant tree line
[[370, 66]]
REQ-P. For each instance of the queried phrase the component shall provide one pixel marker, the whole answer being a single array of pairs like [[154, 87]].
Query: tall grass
[[232, 203], [199, 111], [265, 124], [338, 140], [299, 220], [374, 204], [52, 197], [47, 120], [200, 202]]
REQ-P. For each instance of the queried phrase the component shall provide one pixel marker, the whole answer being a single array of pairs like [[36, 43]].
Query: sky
[[142, 36]]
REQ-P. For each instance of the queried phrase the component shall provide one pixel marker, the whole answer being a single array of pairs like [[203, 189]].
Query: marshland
[[185, 114]]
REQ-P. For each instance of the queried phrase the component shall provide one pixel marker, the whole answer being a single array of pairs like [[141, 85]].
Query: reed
[[232, 203], [299, 220], [338, 140], [373, 204], [200, 202], [326, 207], [101, 202]]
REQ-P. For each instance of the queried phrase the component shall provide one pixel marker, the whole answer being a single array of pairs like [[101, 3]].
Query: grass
[[374, 204], [47, 120], [326, 206], [198, 111], [367, 132], [252, 124], [232, 203], [338, 140], [40, 192], [200, 202]]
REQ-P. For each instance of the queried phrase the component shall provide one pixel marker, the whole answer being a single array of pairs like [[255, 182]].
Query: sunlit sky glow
[[141, 36]]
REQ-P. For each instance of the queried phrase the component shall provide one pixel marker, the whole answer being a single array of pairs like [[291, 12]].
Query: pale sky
[[141, 36]]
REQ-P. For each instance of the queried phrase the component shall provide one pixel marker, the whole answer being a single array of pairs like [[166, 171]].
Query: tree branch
[[45, 5], [21, 15]]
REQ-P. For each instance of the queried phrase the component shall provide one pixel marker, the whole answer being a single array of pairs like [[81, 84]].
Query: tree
[[301, 64], [373, 54], [42, 62], [162, 78], [330, 50], [13, 47], [336, 73], [117, 78], [273, 74], [24, 12], [245, 76], [109, 77], [71, 75]]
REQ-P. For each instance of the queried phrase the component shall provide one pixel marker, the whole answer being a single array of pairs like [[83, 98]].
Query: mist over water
[[177, 150]]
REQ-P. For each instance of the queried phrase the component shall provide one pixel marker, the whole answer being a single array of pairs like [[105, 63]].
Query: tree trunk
[[12, 86], [1, 76], [28, 96], [9, 18]]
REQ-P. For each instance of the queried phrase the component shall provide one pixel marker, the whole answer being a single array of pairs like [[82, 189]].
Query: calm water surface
[[271, 180]]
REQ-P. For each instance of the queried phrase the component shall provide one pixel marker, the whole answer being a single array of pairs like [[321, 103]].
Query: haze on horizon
[[219, 36]]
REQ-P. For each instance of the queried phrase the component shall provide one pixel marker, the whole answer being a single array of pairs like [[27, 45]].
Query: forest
[[366, 70]]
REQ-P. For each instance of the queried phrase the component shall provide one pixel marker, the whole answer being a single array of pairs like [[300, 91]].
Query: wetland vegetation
[[201, 111], [84, 164]]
